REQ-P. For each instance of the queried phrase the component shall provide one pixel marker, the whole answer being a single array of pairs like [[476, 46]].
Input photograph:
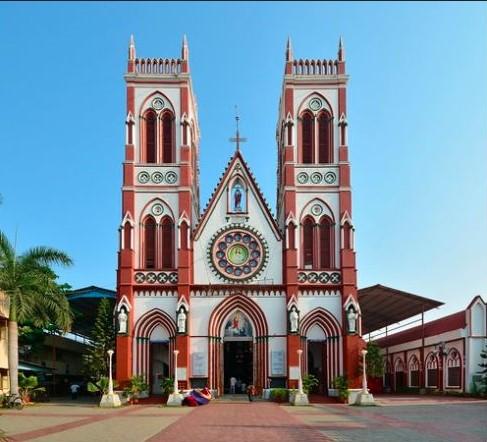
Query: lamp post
[[110, 379], [364, 374], [176, 352], [300, 378]]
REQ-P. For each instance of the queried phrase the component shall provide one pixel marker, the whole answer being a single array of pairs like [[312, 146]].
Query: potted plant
[[136, 386], [310, 382], [279, 395], [167, 387], [341, 384]]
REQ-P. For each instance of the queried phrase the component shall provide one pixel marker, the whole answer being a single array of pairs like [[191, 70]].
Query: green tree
[[374, 360], [33, 294], [483, 372], [103, 338]]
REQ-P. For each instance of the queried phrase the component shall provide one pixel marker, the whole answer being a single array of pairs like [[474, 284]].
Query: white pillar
[[300, 379], [110, 379], [176, 390], [364, 374]]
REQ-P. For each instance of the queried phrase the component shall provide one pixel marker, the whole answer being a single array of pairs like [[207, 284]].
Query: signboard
[[198, 365], [277, 363]]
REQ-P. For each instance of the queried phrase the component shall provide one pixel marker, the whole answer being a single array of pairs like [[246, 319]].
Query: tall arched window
[[127, 236], [454, 374], [183, 231], [167, 138], [308, 256], [414, 372], [291, 232], [326, 245], [347, 236], [167, 243], [150, 137], [399, 374], [307, 138], [150, 243], [325, 139], [431, 371]]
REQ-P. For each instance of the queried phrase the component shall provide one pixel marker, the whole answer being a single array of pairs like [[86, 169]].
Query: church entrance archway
[[247, 338], [159, 359], [238, 350]]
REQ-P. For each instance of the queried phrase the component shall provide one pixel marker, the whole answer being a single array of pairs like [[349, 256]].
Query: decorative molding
[[155, 277], [319, 277]]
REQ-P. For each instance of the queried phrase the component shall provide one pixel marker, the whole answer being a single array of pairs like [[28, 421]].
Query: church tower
[[160, 205], [314, 209]]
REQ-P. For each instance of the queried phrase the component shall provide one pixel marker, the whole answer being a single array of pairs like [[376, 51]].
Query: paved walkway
[[225, 421]]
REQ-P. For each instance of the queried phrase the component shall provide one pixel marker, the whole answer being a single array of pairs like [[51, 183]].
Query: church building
[[233, 290]]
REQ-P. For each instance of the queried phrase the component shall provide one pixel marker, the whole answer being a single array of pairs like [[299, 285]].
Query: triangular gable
[[218, 193]]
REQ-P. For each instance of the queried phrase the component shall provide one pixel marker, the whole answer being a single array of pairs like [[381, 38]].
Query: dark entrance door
[[238, 364], [317, 364]]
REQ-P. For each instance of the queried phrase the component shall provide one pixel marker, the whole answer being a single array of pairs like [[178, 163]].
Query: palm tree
[[32, 293]]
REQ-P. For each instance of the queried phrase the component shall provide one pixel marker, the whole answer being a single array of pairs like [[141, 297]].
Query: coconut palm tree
[[32, 294]]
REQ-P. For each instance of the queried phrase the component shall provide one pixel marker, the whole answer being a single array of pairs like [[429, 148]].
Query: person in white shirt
[[74, 391], [233, 382]]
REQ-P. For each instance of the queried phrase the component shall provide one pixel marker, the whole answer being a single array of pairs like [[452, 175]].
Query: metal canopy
[[84, 305], [382, 306]]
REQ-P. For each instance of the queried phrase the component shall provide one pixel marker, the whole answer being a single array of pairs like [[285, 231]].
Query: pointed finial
[[289, 50], [237, 139], [341, 50], [132, 48], [185, 48]]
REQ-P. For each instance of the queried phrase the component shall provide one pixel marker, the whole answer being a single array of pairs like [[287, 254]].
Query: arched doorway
[[321, 342], [154, 341], [219, 319], [237, 353]]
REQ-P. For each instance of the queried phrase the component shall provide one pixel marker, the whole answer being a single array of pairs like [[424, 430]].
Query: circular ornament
[[157, 103], [315, 104], [237, 253], [302, 178], [171, 177], [316, 210], [330, 177], [157, 177], [316, 177], [157, 209], [143, 177]]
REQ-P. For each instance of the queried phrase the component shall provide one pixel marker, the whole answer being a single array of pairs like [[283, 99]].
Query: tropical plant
[[167, 386], [136, 386], [374, 360], [27, 386], [100, 385], [341, 384], [103, 339], [310, 382], [33, 294]]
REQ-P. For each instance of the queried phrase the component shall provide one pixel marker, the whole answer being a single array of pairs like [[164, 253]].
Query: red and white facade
[[441, 355], [234, 278]]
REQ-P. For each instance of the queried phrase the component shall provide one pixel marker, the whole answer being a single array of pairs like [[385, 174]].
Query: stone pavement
[[221, 421]]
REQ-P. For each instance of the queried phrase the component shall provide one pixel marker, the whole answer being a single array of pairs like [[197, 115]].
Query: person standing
[[251, 392], [74, 391], [233, 382]]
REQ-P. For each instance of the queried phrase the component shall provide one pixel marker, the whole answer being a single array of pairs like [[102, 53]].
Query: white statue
[[293, 319], [352, 320], [122, 321], [182, 320]]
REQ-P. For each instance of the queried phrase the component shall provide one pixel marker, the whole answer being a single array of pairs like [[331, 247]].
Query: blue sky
[[416, 111]]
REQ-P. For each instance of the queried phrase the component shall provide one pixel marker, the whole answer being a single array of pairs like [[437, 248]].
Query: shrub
[[167, 386], [279, 394], [310, 382], [341, 384], [100, 385], [27, 386]]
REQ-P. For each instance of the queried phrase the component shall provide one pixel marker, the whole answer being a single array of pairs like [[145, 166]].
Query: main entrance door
[[238, 364], [317, 364], [159, 365], [237, 354]]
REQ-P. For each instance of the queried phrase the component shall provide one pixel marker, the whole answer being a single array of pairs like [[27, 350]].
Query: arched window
[[150, 137], [399, 374], [347, 236], [183, 232], [150, 243], [454, 374], [308, 255], [414, 372], [291, 232], [431, 371], [307, 138], [167, 138], [326, 244], [167, 243], [127, 236], [324, 139]]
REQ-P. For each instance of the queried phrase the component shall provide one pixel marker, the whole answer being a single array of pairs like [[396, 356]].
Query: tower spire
[[289, 50], [341, 50], [185, 49], [237, 139], [132, 48]]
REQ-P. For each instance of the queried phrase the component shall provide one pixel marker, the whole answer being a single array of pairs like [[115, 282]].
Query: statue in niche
[[182, 320], [293, 320], [237, 191], [122, 321]]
